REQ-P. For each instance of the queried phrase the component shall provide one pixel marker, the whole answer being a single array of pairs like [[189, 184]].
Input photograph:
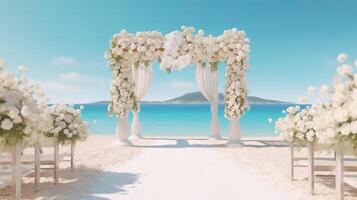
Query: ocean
[[184, 119]]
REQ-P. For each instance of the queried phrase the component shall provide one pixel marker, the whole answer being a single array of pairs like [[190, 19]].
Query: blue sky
[[294, 43]]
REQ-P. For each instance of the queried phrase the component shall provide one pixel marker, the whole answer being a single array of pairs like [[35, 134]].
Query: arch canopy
[[128, 52]]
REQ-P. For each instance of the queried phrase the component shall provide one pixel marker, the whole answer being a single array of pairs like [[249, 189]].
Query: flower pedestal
[[135, 127], [234, 133], [122, 132]]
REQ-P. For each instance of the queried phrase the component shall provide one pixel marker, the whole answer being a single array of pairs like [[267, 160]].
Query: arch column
[[234, 132], [122, 131]]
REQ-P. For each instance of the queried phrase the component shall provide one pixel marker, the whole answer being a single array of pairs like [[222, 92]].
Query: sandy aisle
[[166, 170]]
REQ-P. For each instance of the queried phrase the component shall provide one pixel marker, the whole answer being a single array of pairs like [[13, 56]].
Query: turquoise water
[[183, 119]]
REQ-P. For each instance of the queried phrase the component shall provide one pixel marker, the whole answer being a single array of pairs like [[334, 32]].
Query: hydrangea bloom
[[67, 124], [23, 110]]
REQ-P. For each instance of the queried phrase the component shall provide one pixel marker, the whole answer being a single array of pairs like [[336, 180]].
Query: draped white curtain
[[142, 77], [207, 83]]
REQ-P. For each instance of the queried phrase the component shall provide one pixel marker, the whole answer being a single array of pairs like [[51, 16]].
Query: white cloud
[[182, 85], [75, 87], [55, 86], [71, 76], [64, 61]]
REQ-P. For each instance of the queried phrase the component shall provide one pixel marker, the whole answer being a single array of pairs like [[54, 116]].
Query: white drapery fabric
[[207, 84], [142, 77]]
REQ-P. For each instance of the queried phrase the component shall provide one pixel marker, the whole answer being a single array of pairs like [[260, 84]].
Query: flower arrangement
[[23, 113], [233, 49], [331, 123], [341, 125], [182, 48], [175, 51], [67, 124]]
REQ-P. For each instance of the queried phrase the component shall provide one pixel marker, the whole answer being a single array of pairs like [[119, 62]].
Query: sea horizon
[[188, 119]]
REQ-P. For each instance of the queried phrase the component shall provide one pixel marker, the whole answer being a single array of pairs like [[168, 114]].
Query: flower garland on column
[[120, 58], [126, 52], [234, 49]]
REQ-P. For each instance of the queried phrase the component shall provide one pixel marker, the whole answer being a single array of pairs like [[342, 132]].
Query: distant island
[[198, 98]]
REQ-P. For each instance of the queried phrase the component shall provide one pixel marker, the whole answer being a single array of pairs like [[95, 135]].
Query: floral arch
[[131, 56]]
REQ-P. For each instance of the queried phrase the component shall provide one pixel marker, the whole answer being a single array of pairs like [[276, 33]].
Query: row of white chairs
[[335, 163], [21, 161]]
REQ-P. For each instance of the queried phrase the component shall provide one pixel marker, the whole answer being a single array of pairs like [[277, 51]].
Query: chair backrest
[[3, 149]]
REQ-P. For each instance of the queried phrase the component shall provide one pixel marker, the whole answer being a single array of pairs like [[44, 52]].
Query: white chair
[[48, 158], [12, 170], [337, 164]]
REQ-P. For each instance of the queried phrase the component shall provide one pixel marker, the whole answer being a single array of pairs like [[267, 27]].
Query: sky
[[294, 43]]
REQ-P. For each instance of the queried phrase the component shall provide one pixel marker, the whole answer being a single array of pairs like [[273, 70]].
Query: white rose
[[26, 111], [324, 90], [345, 129], [353, 127], [311, 90], [344, 69], [342, 57], [6, 124]]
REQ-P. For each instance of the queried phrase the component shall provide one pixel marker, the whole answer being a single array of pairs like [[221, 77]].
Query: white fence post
[[339, 173]]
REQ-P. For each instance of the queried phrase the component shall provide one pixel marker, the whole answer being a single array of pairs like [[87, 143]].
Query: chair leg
[[292, 161], [16, 172], [311, 168], [339, 174], [56, 161], [37, 168], [72, 155]]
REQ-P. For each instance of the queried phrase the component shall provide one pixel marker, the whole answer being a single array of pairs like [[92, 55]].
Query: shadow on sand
[[204, 143], [91, 184]]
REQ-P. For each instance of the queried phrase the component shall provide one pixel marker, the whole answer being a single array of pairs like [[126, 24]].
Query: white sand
[[269, 159], [178, 168], [173, 169]]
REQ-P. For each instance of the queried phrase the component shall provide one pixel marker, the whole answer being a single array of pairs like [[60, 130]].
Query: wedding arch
[[131, 57]]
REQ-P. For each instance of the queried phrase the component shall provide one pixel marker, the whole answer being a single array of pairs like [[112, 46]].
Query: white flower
[[2, 64], [353, 127], [345, 129], [342, 57], [344, 69], [6, 124], [303, 99], [81, 107], [324, 90], [23, 69], [270, 120], [311, 90], [26, 111]]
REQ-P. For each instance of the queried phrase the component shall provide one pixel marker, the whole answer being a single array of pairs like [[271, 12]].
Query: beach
[[179, 168]]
